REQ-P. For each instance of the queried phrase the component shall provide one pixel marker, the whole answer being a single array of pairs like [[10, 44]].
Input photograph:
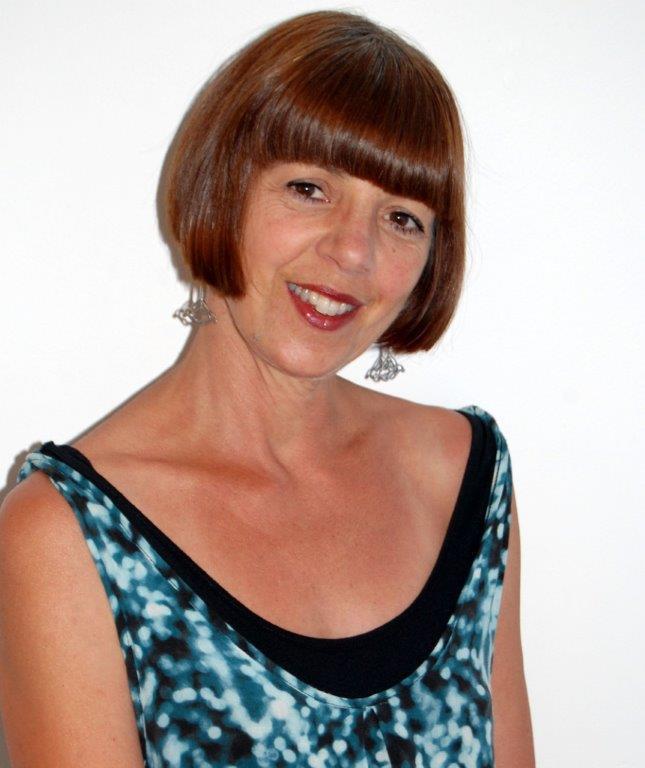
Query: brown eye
[[304, 189], [404, 220]]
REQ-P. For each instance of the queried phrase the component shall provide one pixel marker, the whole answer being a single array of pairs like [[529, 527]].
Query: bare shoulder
[[35, 515], [449, 429], [42, 547], [138, 421], [433, 426], [64, 694], [435, 440], [441, 440]]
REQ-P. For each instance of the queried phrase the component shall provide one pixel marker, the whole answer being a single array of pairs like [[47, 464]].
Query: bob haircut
[[334, 89]]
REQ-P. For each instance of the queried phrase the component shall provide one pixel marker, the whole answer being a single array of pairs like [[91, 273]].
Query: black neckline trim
[[414, 631]]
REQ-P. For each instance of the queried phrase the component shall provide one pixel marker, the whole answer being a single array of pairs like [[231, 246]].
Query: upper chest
[[328, 553]]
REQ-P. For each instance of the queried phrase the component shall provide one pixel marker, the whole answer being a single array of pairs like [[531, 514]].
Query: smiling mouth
[[325, 301], [319, 311]]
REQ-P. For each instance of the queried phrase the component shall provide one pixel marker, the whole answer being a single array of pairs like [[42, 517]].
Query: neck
[[227, 400]]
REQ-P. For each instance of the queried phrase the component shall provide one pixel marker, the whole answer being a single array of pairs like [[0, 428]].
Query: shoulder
[[61, 667], [420, 424], [437, 427], [35, 520], [434, 439], [44, 559], [439, 438]]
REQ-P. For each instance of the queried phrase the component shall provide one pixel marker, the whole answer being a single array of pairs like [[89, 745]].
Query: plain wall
[[546, 336]]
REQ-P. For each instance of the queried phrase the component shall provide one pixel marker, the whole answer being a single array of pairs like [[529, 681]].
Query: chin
[[306, 366], [312, 372]]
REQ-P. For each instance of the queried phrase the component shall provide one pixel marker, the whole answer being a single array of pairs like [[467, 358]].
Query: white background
[[546, 336]]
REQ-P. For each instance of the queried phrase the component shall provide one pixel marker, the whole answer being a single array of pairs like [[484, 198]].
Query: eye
[[402, 221], [305, 190]]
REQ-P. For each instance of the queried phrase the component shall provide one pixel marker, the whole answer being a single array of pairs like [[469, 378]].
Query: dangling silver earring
[[195, 311], [385, 367]]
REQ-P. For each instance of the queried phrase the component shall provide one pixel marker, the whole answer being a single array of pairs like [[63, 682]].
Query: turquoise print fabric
[[204, 696]]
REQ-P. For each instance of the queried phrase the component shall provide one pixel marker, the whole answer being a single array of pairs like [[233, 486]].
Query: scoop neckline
[[151, 530], [151, 534]]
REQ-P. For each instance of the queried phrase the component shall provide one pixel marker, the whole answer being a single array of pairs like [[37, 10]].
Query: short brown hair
[[335, 89]]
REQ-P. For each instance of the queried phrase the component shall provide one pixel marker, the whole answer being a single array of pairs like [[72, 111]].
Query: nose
[[350, 238]]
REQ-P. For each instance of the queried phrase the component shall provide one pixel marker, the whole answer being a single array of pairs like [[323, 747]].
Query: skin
[[274, 443], [308, 224]]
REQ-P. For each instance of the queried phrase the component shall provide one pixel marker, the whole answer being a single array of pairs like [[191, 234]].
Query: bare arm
[[512, 731], [64, 694]]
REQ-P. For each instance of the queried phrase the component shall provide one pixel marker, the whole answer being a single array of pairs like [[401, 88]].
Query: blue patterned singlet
[[204, 695]]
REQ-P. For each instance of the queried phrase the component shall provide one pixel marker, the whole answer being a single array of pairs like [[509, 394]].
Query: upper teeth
[[323, 304]]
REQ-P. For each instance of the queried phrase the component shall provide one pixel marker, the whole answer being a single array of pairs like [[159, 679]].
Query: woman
[[298, 570]]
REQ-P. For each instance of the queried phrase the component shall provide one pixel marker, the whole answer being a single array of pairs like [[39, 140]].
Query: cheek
[[400, 278], [270, 245]]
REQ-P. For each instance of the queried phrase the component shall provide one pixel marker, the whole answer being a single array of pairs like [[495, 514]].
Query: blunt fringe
[[334, 89]]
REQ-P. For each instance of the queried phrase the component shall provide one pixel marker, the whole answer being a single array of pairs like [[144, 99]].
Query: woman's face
[[311, 232]]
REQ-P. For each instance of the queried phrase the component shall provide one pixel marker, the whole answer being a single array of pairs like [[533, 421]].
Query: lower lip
[[317, 319]]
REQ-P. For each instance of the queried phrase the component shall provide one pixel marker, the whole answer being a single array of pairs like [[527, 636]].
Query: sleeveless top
[[214, 684]]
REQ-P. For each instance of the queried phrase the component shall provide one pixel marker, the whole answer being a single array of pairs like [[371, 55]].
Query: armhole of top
[[499, 518], [93, 519]]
